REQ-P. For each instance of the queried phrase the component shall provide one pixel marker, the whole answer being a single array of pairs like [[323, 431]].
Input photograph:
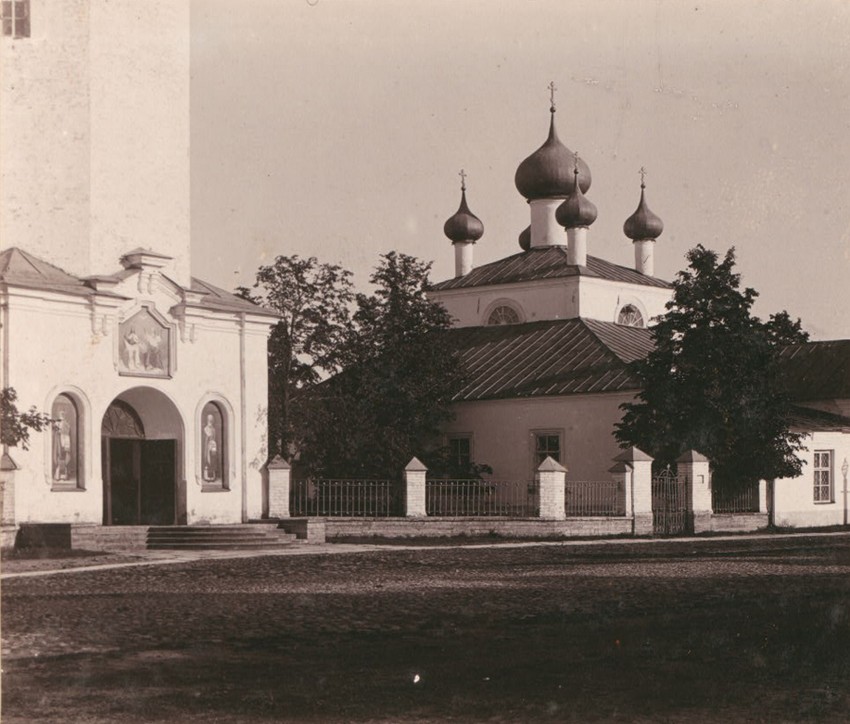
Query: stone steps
[[218, 537]]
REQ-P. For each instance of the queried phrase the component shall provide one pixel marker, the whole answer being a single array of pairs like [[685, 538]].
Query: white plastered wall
[[503, 432], [57, 345], [568, 298], [794, 504]]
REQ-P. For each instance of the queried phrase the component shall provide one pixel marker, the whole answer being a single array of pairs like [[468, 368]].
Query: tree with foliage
[[314, 302], [395, 393], [15, 426], [711, 383]]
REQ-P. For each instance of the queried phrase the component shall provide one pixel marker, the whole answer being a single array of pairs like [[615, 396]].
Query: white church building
[[156, 380], [547, 335]]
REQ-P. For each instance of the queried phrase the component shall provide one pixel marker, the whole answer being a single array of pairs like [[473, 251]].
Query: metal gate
[[670, 515]]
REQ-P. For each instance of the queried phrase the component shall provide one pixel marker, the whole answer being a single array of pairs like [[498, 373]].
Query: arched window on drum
[[213, 448], [66, 470], [630, 316], [503, 315]]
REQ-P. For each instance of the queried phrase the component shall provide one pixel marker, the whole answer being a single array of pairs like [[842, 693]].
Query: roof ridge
[[595, 333]]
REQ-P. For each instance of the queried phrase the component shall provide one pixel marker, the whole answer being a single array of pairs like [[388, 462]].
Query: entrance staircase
[[252, 536]]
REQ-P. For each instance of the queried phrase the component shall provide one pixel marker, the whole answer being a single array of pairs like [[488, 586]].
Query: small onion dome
[[525, 239], [643, 224], [577, 210], [463, 225], [547, 173]]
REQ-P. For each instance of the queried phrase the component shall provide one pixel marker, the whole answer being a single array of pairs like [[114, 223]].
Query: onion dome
[[463, 225], [577, 210], [525, 239], [548, 172], [643, 224]]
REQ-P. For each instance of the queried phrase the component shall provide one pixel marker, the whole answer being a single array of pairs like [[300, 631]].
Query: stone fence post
[[551, 482], [279, 484], [7, 484], [414, 489], [763, 496], [639, 496], [694, 467], [621, 473]]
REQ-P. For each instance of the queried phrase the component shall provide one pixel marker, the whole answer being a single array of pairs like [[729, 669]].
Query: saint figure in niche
[[211, 450]]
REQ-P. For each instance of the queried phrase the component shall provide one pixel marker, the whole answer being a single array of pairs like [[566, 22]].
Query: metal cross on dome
[[642, 173], [552, 88], [462, 175]]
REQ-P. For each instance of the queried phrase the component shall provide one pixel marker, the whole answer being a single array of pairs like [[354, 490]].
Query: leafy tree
[[395, 393], [314, 301], [15, 426], [711, 383]]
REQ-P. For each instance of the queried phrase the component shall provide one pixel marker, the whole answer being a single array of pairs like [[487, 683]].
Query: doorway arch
[[142, 450]]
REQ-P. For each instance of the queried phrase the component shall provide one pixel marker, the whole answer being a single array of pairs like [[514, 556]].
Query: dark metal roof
[[223, 301], [545, 262], [22, 269], [559, 357], [810, 420], [817, 370]]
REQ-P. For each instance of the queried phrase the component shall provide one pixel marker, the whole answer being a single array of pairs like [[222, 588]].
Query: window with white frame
[[16, 18], [630, 316], [823, 476], [547, 444]]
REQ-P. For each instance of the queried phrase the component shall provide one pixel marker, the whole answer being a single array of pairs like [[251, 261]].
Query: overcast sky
[[337, 128]]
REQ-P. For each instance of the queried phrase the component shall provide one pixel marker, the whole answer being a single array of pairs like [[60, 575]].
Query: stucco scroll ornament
[[99, 321]]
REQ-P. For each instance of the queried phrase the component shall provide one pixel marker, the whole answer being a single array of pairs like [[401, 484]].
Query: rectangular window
[[547, 444], [823, 476], [460, 452], [16, 18]]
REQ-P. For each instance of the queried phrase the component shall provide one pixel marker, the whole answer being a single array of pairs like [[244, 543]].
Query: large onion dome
[[577, 210], [643, 224], [525, 239], [548, 172], [463, 225]]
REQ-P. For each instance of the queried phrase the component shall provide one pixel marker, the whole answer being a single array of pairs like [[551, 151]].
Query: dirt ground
[[705, 631]]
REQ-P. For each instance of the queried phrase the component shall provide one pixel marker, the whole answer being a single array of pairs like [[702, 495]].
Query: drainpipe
[[243, 415]]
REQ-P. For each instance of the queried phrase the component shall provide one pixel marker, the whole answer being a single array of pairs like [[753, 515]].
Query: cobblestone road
[[732, 631]]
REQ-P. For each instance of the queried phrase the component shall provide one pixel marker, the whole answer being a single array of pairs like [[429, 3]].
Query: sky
[[337, 128]]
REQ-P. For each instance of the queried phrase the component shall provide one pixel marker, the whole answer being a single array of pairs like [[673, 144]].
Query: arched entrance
[[141, 453]]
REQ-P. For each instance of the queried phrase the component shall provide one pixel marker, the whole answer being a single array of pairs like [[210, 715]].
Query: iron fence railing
[[594, 498], [345, 498], [474, 498], [743, 500]]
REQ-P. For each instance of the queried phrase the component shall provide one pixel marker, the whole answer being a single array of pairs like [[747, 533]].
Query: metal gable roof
[[545, 262], [558, 357], [817, 370]]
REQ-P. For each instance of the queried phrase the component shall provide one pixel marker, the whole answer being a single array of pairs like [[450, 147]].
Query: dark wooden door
[[124, 466], [157, 482]]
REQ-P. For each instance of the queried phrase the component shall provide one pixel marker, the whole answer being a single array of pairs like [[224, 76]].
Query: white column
[[641, 488], [414, 488], [279, 483], [463, 257], [545, 229], [694, 467], [622, 475], [577, 246], [762, 496], [645, 256], [551, 481]]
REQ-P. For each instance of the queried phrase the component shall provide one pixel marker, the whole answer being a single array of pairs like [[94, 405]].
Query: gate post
[[7, 500], [622, 475], [639, 492], [279, 483], [694, 467], [414, 489], [551, 482]]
